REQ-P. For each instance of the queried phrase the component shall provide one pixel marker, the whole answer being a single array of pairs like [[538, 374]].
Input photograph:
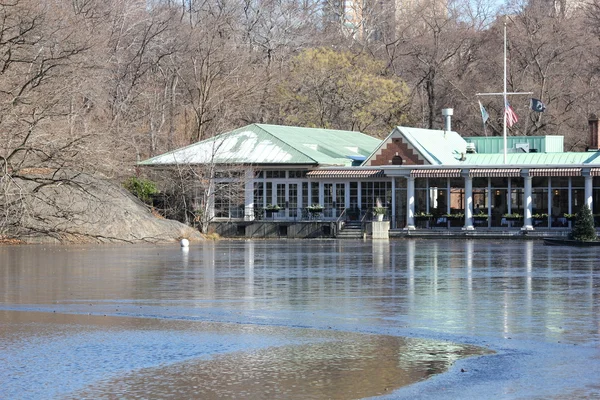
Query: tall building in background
[[378, 19], [558, 8]]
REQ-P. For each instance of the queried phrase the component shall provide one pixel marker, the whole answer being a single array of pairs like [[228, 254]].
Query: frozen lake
[[301, 319]]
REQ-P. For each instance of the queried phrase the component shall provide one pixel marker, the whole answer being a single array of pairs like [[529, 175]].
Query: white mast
[[504, 97]]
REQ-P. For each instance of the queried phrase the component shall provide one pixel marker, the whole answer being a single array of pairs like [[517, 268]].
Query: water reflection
[[503, 289], [456, 284], [341, 366]]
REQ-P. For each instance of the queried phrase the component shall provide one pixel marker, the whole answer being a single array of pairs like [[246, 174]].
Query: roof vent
[[471, 148], [447, 113]]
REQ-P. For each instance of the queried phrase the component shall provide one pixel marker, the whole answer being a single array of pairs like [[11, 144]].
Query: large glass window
[[372, 192], [229, 203], [327, 198], [305, 194], [276, 174], [438, 196], [578, 193], [539, 200], [400, 218], [259, 194], [340, 197], [353, 194], [269, 193], [280, 201], [293, 200], [314, 193], [560, 206]]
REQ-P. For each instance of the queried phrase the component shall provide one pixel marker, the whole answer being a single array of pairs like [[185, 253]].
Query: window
[[275, 174]]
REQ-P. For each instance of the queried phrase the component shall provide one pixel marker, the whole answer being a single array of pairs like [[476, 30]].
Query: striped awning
[[555, 172], [495, 173], [345, 173], [435, 173], [595, 171]]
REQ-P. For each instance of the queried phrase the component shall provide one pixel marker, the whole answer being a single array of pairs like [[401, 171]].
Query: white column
[[468, 203], [249, 196], [410, 203], [570, 200], [347, 195], [393, 215], [589, 189], [321, 194], [528, 209]]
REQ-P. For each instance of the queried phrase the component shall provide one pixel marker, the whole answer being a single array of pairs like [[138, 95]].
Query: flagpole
[[504, 95]]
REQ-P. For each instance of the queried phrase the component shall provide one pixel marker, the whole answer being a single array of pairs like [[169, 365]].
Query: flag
[[511, 117], [537, 105], [484, 114]]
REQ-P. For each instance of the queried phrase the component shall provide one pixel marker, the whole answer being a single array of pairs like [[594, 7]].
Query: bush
[[141, 188]]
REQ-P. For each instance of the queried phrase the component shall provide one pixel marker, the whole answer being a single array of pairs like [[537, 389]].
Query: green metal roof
[[495, 144], [438, 147], [274, 144], [590, 158]]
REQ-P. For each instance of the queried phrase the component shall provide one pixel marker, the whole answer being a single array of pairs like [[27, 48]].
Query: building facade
[[422, 178]]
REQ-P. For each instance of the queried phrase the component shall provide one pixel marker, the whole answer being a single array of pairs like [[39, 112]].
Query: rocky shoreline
[[92, 210]]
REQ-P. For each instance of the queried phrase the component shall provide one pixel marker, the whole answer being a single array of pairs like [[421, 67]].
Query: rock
[[90, 209]]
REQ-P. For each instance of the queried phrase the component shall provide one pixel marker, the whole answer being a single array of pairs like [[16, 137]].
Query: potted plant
[[315, 208], [379, 210], [454, 215], [540, 216], [512, 217], [423, 216], [480, 216], [570, 217], [272, 208]]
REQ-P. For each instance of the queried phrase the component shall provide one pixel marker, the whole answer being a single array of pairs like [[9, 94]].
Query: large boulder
[[89, 209]]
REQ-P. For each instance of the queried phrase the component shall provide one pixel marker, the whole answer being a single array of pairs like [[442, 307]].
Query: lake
[[320, 319]]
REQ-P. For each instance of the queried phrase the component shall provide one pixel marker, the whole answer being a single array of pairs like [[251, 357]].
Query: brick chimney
[[594, 140]]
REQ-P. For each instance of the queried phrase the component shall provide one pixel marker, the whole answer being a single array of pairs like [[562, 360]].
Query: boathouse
[[420, 178]]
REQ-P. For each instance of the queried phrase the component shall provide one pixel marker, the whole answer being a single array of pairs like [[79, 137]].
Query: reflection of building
[[412, 171]]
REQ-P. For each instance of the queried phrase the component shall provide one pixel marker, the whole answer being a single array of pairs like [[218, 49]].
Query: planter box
[[423, 218]]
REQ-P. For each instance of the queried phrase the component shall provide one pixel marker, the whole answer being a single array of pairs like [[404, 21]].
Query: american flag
[[511, 117]]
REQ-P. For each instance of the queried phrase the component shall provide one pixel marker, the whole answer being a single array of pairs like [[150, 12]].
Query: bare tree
[[41, 49]]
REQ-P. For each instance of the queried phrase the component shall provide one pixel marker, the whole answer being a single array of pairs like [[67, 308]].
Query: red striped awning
[[595, 171], [345, 173], [555, 172], [495, 173], [435, 173]]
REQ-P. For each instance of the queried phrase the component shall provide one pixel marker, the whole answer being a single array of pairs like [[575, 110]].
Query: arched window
[[397, 160]]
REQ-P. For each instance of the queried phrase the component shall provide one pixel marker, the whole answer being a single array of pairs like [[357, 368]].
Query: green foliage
[[379, 210], [142, 188], [315, 208], [340, 90], [423, 215], [513, 216], [584, 226], [272, 207], [540, 216], [454, 215]]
